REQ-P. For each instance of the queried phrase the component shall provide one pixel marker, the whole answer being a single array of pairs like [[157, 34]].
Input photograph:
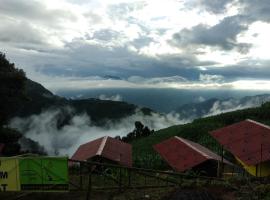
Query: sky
[[185, 44]]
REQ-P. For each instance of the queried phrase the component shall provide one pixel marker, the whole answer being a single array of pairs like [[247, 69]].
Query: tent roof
[[106, 147], [182, 154], [248, 140]]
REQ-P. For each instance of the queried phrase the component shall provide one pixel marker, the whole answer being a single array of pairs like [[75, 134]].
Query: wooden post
[[220, 165], [145, 183], [218, 169], [120, 174], [88, 196], [81, 181], [257, 170], [222, 160], [261, 163], [129, 178], [120, 179]]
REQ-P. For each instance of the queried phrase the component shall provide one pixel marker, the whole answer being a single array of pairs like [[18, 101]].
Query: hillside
[[39, 99], [215, 106], [197, 131], [26, 103]]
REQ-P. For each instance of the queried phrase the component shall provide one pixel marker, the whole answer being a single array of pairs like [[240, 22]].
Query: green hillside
[[197, 131]]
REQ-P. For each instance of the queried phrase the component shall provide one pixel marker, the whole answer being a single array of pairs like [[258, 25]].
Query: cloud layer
[[43, 129], [146, 38]]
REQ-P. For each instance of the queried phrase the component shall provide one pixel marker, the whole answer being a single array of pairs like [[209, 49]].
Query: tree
[[12, 84], [139, 131]]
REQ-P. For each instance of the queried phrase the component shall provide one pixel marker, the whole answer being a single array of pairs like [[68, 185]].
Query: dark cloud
[[79, 59], [35, 11], [222, 35], [250, 69], [212, 6], [216, 6], [253, 10], [142, 41], [256, 10], [20, 33], [50, 41]]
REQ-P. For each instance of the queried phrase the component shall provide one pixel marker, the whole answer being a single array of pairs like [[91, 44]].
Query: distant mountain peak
[[111, 77]]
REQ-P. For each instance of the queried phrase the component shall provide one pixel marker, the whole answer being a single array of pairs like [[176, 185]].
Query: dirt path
[[191, 195]]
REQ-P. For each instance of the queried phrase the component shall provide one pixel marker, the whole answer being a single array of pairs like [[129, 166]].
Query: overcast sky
[[196, 44]]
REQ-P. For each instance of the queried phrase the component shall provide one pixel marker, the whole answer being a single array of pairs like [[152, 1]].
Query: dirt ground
[[149, 194]]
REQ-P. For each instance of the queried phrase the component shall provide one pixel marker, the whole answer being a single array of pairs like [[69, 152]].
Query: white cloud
[[82, 39], [232, 104], [116, 97], [207, 78], [43, 129]]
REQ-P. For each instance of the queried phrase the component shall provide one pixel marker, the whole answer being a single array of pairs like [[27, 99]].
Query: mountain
[[110, 77], [215, 106], [197, 131], [47, 123], [39, 99], [31, 115]]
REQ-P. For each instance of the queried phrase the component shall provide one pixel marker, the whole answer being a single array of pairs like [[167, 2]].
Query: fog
[[232, 104], [43, 129]]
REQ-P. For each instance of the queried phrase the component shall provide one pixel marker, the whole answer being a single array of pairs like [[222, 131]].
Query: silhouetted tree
[[139, 131], [117, 137], [12, 83]]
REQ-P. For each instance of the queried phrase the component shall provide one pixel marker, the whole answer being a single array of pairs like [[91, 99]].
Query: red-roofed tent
[[248, 140], [105, 147], [182, 154]]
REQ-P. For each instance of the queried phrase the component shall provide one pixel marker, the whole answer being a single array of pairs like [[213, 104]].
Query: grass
[[197, 131]]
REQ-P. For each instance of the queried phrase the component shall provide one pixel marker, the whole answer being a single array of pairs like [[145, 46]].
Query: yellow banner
[[9, 174]]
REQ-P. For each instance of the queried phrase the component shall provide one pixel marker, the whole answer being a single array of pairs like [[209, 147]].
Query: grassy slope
[[197, 131]]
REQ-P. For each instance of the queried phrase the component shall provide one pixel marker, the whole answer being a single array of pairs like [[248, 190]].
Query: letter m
[[3, 175]]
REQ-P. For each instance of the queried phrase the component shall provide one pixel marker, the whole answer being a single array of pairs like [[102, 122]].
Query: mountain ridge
[[38, 99], [215, 106]]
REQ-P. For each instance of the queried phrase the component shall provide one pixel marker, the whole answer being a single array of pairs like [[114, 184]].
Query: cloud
[[156, 80], [43, 129], [214, 6], [36, 11], [232, 104], [207, 78], [105, 35], [23, 36], [222, 35], [79, 39], [200, 99], [256, 10], [125, 9], [116, 97], [215, 106]]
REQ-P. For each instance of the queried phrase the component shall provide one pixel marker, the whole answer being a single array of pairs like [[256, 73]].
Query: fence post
[[129, 178], [81, 181], [120, 179], [88, 196]]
